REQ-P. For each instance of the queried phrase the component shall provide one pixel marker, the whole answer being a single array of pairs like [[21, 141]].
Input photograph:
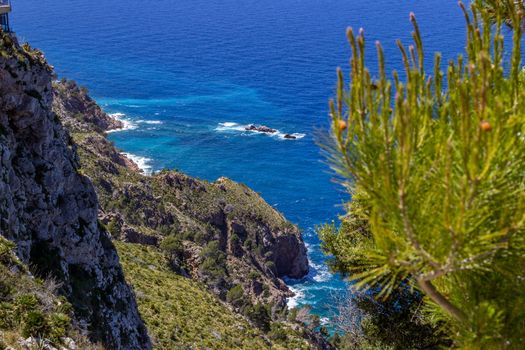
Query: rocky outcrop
[[260, 128], [260, 246], [75, 100], [50, 210]]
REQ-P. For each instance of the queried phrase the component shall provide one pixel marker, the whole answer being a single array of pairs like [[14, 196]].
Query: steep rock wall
[[50, 210]]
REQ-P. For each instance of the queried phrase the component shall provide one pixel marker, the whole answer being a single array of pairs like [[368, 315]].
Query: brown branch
[[441, 300]]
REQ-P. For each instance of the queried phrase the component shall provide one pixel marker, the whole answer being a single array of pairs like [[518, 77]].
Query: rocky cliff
[[49, 209], [66, 193], [229, 236]]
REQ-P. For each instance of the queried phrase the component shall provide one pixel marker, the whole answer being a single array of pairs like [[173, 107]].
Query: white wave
[[295, 134], [295, 301], [142, 162], [121, 117], [325, 321], [322, 275], [232, 126], [150, 122]]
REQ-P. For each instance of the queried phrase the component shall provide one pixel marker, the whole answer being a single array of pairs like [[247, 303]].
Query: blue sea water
[[186, 75]]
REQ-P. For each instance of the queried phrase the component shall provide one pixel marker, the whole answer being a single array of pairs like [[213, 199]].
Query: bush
[[35, 324], [235, 296], [214, 263], [277, 332], [113, 228], [254, 275], [259, 314], [59, 325], [174, 248]]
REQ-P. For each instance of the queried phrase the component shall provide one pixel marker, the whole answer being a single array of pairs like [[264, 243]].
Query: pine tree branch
[[441, 300]]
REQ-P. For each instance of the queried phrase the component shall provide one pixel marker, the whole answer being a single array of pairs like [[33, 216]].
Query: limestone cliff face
[[50, 210], [259, 245]]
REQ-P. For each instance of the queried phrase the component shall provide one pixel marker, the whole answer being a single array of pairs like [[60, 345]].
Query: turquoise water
[[186, 76]]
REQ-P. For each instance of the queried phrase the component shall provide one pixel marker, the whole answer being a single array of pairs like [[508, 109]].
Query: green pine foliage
[[436, 165]]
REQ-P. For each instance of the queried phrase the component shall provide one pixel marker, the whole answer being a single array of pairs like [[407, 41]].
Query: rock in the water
[[290, 137], [260, 128]]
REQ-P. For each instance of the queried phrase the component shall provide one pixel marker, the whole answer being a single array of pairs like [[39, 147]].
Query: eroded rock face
[[76, 100], [258, 242], [50, 210]]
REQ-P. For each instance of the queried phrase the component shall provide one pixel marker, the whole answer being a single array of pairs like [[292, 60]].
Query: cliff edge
[[50, 210]]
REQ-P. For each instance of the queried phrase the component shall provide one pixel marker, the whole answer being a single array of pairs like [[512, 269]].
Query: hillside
[[221, 234], [205, 260]]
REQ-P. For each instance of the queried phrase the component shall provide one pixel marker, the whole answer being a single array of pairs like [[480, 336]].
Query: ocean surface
[[187, 75]]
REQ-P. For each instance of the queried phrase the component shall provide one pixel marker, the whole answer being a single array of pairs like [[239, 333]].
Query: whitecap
[[232, 126], [142, 162], [127, 123], [295, 301], [150, 122], [322, 275], [282, 136]]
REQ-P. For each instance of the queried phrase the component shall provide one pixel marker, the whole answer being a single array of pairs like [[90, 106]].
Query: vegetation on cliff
[[436, 169], [31, 309], [182, 314], [190, 237]]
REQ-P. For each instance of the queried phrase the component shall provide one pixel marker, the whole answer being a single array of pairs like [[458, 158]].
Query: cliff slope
[[220, 235], [67, 195], [50, 210], [252, 244]]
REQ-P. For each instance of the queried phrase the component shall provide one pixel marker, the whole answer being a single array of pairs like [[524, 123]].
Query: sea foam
[[142, 162], [232, 126], [121, 117]]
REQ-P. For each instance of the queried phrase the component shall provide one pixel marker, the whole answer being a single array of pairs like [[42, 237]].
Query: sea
[[187, 76]]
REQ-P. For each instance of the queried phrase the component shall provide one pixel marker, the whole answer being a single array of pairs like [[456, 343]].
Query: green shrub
[[235, 296], [26, 303], [6, 316], [259, 314], [35, 324], [277, 332], [174, 248], [214, 262], [254, 275], [112, 228]]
